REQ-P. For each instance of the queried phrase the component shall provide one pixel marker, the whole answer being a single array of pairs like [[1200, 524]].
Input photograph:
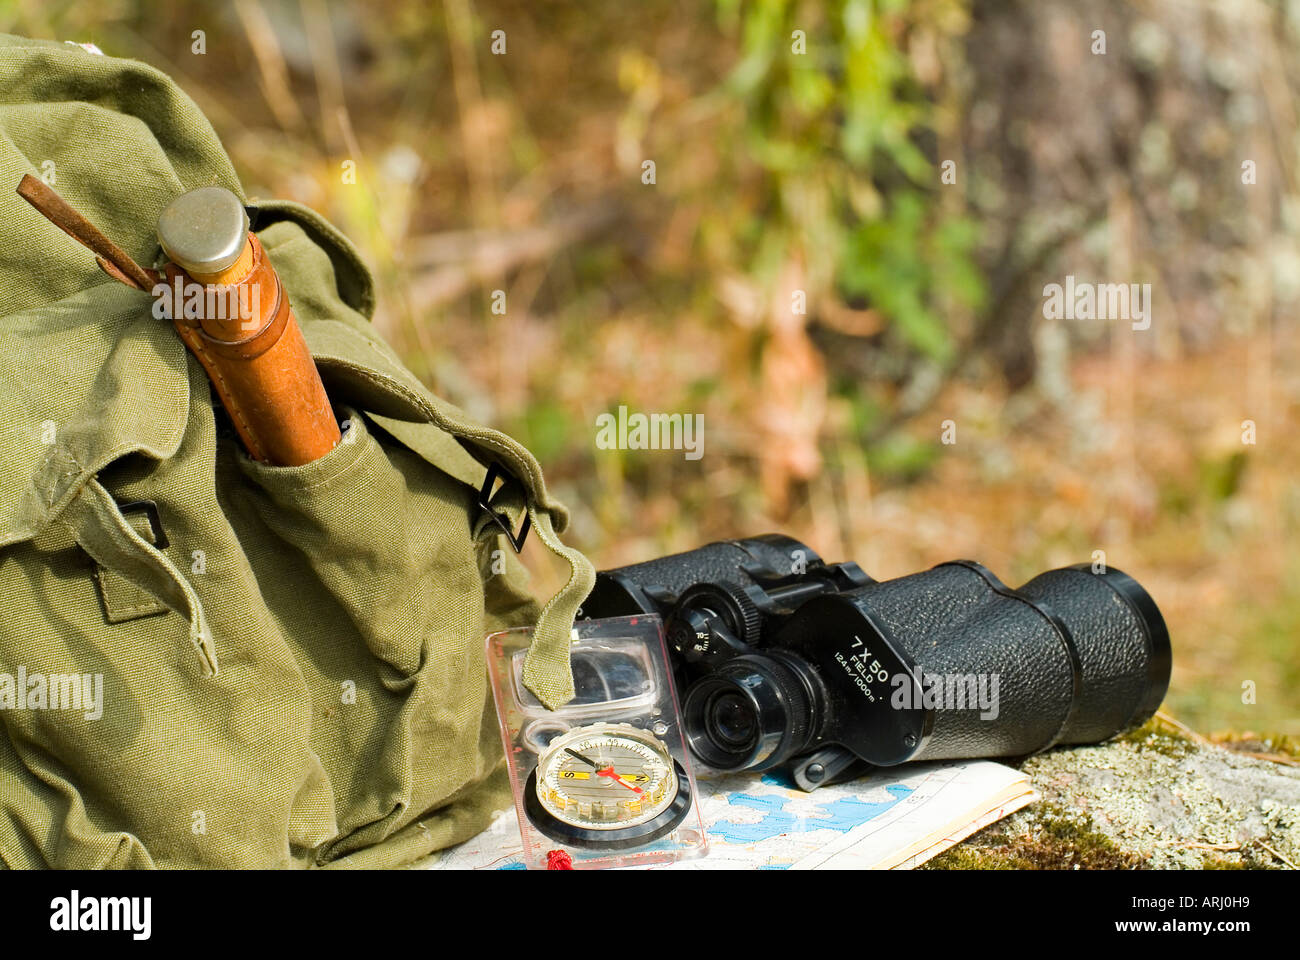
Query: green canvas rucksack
[[206, 660]]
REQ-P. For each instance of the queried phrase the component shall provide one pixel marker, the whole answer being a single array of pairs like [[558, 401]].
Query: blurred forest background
[[780, 169]]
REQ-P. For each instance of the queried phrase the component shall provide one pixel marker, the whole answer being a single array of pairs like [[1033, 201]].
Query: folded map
[[892, 818]]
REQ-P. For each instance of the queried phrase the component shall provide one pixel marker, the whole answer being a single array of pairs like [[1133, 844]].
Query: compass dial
[[607, 783]]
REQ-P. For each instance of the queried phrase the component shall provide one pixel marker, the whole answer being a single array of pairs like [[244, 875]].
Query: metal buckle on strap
[[150, 509], [124, 599], [498, 472]]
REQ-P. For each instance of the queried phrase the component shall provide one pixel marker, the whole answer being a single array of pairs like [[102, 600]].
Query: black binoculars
[[785, 660]]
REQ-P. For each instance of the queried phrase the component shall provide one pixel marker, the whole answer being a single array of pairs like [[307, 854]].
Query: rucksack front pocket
[[388, 537]]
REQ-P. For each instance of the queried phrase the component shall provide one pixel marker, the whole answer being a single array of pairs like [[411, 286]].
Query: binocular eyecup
[[751, 709]]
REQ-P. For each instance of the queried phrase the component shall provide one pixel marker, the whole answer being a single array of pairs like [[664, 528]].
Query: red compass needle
[[609, 772]]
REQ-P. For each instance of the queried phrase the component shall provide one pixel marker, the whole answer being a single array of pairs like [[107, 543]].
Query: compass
[[607, 785]]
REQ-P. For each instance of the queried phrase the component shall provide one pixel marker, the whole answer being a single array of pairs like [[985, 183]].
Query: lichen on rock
[[1152, 798]]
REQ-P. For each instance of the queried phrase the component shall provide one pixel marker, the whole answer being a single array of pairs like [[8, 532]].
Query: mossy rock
[[1154, 798]]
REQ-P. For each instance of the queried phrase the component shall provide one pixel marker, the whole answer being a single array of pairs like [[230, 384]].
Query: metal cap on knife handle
[[205, 233]]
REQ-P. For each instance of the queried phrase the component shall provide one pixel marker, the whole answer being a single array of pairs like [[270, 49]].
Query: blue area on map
[[840, 815]]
